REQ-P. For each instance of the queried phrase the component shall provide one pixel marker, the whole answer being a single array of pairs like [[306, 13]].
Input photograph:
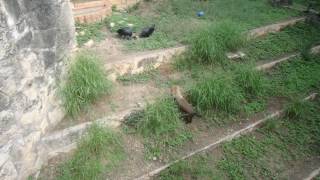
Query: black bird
[[147, 32], [125, 32]]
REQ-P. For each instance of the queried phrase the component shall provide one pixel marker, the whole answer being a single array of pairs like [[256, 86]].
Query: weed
[[162, 127], [99, 146], [216, 92], [211, 44], [85, 83], [271, 126]]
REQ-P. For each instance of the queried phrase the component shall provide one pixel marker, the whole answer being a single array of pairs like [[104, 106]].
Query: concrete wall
[[35, 37]]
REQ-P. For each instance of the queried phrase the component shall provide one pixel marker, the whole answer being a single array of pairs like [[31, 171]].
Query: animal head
[[176, 91]]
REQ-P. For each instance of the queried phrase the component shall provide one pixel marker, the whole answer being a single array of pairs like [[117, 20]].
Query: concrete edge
[[313, 174]]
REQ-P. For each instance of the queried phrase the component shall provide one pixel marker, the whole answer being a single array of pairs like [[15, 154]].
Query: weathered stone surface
[[35, 37]]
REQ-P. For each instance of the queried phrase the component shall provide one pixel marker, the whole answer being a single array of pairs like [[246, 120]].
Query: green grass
[[89, 31], [97, 153], [124, 19], [210, 45], [250, 80], [292, 78], [198, 168], [291, 39], [143, 77], [264, 154], [217, 92], [161, 126], [86, 82], [176, 20], [297, 109]]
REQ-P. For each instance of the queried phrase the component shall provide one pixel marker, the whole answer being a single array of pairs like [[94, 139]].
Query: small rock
[[130, 25], [89, 43], [154, 158], [82, 33], [112, 24]]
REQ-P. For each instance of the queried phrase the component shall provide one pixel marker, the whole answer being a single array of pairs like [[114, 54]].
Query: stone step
[[249, 128], [140, 62], [273, 28], [63, 141], [266, 66], [56, 141]]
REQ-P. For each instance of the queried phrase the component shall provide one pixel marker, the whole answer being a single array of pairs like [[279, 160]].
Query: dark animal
[[125, 32], [147, 32], [185, 107]]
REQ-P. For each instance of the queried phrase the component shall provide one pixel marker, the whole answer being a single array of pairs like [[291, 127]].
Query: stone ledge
[[269, 65], [274, 27], [139, 63]]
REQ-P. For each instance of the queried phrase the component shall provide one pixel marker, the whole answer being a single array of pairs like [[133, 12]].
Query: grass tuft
[[297, 109], [210, 44], [161, 127], [250, 80], [99, 151], [85, 83], [218, 93]]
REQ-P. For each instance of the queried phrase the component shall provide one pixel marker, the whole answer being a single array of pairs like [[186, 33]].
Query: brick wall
[[92, 11]]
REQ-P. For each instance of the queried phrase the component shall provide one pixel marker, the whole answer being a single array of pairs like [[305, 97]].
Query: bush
[[250, 80], [210, 44], [99, 146], [85, 83], [217, 92]]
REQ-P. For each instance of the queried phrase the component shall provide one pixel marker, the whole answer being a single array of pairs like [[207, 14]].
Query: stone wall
[[35, 37]]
